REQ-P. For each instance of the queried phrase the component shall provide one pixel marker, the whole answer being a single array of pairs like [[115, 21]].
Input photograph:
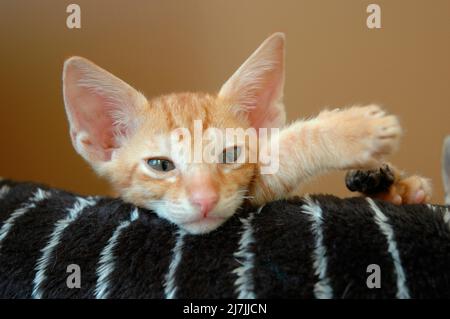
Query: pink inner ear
[[266, 113], [90, 114], [93, 116]]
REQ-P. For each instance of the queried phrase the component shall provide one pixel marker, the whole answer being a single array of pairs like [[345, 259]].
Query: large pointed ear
[[101, 108], [257, 86], [446, 168]]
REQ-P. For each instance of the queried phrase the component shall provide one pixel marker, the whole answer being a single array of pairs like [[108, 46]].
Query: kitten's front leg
[[357, 137]]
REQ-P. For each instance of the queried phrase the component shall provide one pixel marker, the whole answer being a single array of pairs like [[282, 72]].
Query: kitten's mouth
[[205, 220], [203, 225]]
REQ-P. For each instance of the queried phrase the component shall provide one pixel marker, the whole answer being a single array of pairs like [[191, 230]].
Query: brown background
[[161, 46]]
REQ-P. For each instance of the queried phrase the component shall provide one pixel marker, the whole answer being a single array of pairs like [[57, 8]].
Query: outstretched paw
[[367, 132]]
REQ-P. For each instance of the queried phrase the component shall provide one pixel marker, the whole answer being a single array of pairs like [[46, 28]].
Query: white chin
[[202, 226]]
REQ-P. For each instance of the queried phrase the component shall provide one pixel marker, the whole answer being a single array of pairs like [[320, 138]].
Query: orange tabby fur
[[116, 129]]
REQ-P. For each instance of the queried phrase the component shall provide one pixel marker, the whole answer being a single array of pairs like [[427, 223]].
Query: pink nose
[[206, 202]]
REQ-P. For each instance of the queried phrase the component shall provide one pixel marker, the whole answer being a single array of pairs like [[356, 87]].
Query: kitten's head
[[147, 148]]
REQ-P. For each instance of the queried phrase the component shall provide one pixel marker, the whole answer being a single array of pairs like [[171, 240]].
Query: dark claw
[[370, 181]]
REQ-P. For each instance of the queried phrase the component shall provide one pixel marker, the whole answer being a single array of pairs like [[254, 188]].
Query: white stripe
[[170, 287], [447, 216], [260, 209], [55, 237], [4, 191], [106, 262], [38, 196], [322, 288], [441, 209], [386, 228], [245, 256]]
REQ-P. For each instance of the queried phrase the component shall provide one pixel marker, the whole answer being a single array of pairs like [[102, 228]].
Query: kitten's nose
[[206, 201]]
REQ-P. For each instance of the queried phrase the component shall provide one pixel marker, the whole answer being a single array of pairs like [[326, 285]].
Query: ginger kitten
[[130, 139]]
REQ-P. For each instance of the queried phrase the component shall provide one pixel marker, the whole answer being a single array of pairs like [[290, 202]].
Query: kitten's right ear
[[446, 169], [100, 107]]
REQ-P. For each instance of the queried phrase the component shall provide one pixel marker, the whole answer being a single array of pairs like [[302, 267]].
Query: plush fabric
[[312, 247]]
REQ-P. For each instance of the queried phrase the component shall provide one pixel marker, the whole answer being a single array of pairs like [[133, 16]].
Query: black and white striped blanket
[[315, 247]]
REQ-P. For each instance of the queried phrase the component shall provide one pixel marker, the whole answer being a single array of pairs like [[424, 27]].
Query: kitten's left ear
[[257, 86]]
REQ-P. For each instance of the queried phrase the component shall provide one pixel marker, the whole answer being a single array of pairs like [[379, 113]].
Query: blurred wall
[[161, 46]]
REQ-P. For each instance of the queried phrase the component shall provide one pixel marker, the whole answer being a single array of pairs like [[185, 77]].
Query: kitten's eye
[[230, 155], [161, 164]]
